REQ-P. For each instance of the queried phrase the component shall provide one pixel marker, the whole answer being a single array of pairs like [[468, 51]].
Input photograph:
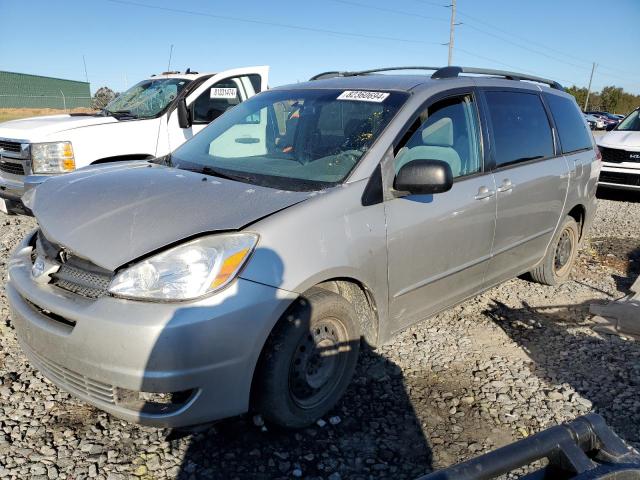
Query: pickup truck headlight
[[53, 157], [187, 271]]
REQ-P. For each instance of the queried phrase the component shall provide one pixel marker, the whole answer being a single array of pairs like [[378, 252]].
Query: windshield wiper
[[218, 173], [119, 113]]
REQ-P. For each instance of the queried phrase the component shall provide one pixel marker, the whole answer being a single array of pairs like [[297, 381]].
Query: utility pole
[[451, 28], [170, 53], [586, 102], [86, 75]]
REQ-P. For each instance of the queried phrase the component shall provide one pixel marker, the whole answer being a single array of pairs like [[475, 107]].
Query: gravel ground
[[511, 362]]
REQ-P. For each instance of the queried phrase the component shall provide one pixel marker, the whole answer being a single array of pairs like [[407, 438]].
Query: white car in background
[[620, 150], [149, 120], [595, 123]]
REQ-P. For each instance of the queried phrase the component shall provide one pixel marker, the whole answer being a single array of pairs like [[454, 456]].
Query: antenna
[[170, 53]]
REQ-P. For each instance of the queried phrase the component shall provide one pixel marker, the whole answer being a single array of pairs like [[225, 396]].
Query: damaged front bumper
[[159, 364]]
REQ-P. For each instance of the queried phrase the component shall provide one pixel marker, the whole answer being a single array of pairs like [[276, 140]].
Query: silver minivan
[[244, 273]]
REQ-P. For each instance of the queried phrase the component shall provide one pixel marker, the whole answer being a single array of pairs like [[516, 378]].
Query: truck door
[[214, 97]]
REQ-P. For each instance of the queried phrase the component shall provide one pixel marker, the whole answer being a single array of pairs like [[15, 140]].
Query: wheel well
[[578, 213], [362, 300], [354, 292], [122, 158]]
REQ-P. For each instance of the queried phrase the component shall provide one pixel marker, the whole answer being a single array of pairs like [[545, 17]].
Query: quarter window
[[572, 130], [446, 131], [521, 129]]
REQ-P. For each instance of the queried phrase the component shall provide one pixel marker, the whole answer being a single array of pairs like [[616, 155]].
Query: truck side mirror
[[184, 115]]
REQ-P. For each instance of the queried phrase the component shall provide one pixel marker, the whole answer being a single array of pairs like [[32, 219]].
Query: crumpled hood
[[113, 214], [621, 139], [35, 128]]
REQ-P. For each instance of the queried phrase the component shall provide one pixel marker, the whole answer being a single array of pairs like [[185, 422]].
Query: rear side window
[[571, 129], [521, 129], [216, 100]]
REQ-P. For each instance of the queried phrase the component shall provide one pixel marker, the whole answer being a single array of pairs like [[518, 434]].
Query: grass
[[7, 114]]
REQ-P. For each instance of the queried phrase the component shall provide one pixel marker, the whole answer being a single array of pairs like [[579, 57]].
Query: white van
[[149, 120]]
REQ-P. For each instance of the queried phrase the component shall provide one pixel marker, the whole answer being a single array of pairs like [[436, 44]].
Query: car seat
[[437, 144]]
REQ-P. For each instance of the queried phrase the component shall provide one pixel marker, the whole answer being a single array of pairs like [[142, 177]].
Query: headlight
[[55, 157], [187, 271]]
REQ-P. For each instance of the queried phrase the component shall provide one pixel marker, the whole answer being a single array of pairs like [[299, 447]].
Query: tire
[[308, 360], [556, 266]]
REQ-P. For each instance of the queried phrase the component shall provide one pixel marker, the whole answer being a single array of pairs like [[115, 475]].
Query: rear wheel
[[308, 360], [556, 266]]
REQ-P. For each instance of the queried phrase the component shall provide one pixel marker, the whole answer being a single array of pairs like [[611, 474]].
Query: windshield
[[631, 123], [291, 139], [147, 98]]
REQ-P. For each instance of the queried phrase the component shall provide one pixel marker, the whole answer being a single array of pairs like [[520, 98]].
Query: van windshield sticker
[[224, 93], [363, 96]]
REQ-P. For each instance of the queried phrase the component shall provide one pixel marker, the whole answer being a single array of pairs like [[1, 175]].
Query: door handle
[[506, 186], [484, 192]]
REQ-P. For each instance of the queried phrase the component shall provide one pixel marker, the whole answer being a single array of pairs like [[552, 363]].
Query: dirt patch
[[7, 114]]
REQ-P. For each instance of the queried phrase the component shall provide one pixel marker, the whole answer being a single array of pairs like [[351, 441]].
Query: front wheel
[[556, 266], [308, 360]]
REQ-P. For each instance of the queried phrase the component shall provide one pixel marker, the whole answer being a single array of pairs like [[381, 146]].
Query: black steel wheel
[[308, 360]]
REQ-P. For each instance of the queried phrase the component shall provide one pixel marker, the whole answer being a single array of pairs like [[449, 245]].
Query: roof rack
[[452, 72], [446, 72], [334, 74]]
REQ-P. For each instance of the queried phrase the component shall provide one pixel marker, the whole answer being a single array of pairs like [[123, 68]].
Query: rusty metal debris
[[620, 317]]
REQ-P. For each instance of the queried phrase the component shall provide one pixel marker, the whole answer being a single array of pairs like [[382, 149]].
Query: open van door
[[215, 96]]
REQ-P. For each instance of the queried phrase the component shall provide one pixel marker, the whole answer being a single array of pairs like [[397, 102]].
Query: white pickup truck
[[149, 120]]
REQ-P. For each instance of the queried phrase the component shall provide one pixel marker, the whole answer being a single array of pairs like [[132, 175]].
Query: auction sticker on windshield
[[363, 96], [224, 93]]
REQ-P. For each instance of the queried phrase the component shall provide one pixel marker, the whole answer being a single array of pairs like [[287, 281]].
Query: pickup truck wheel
[[308, 360], [556, 266]]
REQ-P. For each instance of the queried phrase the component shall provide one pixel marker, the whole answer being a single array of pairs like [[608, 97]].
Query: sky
[[124, 41]]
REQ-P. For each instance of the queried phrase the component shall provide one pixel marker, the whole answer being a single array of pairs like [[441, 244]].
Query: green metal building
[[19, 90]]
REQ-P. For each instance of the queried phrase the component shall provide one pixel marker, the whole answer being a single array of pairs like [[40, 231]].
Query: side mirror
[[611, 126], [184, 116], [423, 177]]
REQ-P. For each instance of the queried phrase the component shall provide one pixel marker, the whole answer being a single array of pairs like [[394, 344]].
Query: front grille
[[620, 178], [81, 282], [614, 155], [10, 146], [72, 381], [12, 168], [75, 275]]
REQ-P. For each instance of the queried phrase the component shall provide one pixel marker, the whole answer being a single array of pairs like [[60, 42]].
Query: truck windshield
[[147, 98], [291, 139], [631, 123]]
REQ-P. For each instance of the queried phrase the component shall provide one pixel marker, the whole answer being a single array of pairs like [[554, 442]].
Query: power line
[[389, 10], [272, 24], [547, 47], [516, 68]]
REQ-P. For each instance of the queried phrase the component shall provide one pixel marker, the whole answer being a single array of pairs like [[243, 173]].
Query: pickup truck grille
[[75, 275], [10, 146], [614, 155], [11, 167]]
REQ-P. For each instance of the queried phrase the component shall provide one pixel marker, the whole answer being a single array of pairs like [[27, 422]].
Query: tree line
[[610, 99]]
